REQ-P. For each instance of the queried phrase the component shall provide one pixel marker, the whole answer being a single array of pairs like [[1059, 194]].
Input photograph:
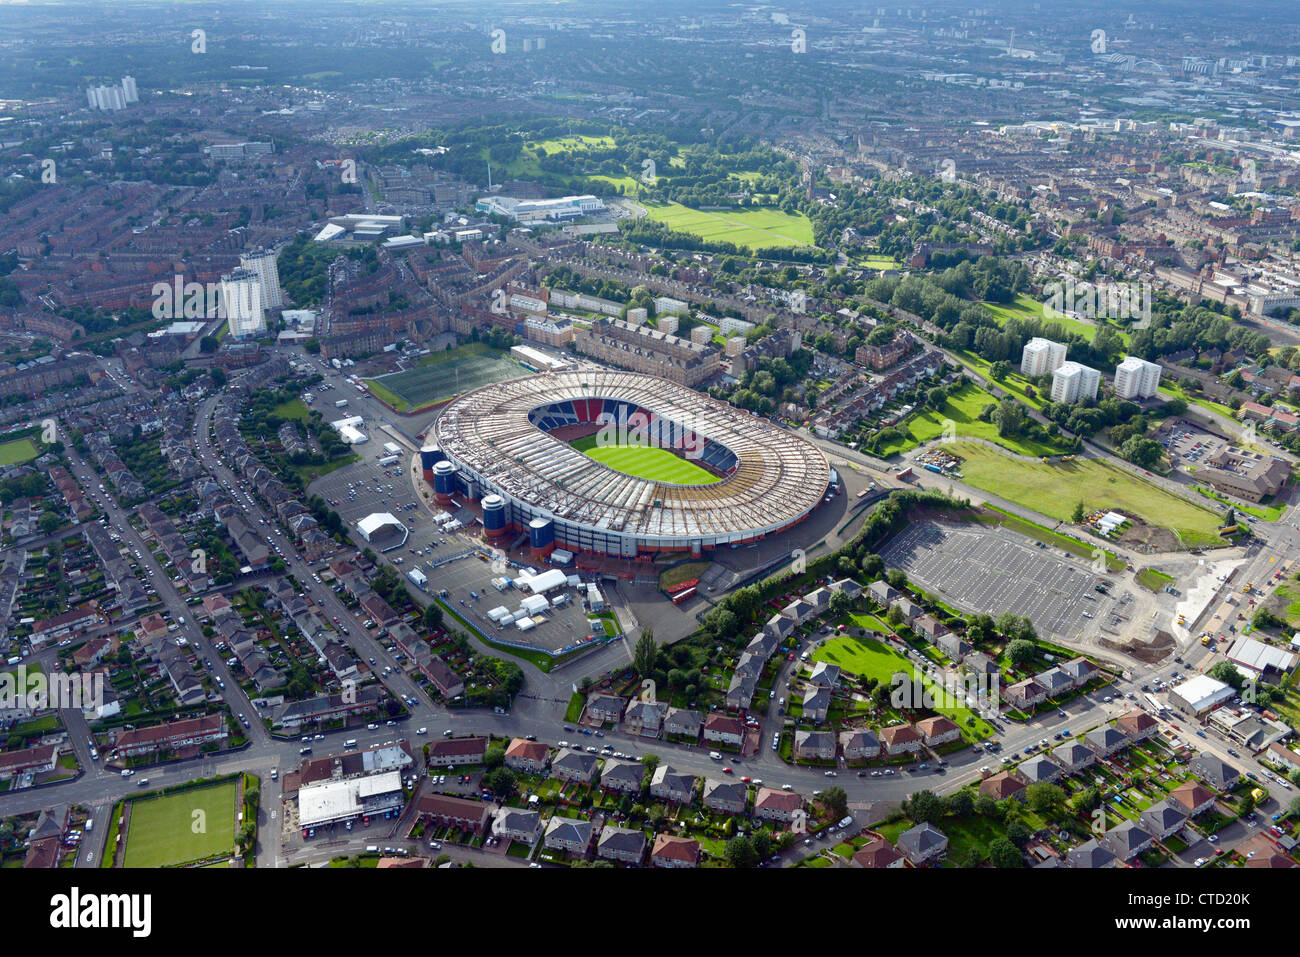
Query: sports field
[[161, 832], [19, 450], [656, 465], [1052, 489], [750, 228], [427, 384], [962, 409]]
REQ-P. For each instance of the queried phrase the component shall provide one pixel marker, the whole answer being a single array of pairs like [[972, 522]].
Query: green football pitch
[[656, 465], [427, 384], [166, 831]]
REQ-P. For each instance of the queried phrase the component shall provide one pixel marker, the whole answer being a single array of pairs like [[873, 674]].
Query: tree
[[740, 852], [1018, 833], [432, 616], [645, 653], [1227, 672], [1089, 799], [840, 604], [897, 580], [924, 807], [1002, 853], [1020, 652], [1010, 418], [836, 802], [1077, 515], [1046, 799], [960, 803]]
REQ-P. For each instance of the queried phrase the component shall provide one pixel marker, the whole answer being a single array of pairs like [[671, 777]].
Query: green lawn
[[1153, 580], [1053, 488], [17, 451], [656, 465], [442, 376], [963, 409], [749, 228], [293, 409], [162, 830], [1027, 307], [680, 573], [1014, 384], [869, 658]]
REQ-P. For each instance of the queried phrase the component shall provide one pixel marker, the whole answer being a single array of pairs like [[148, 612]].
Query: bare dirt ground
[[1143, 537], [1160, 647]]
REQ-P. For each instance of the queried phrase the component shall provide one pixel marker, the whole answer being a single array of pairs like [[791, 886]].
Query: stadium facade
[[506, 446]]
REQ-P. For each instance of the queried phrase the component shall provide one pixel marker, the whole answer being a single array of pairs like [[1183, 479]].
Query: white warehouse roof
[[1257, 656]]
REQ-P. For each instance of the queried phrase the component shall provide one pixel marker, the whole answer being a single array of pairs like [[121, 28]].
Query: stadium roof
[[778, 478]]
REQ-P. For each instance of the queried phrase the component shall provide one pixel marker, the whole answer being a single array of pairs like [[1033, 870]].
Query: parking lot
[[1188, 445], [363, 487], [994, 570]]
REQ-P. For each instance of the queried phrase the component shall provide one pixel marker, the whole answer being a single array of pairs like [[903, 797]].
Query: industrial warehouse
[[507, 445]]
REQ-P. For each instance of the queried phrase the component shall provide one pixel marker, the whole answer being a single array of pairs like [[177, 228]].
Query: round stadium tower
[[737, 476]]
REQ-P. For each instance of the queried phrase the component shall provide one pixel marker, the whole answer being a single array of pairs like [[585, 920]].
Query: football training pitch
[[161, 832], [655, 465], [750, 228], [19, 450], [425, 385]]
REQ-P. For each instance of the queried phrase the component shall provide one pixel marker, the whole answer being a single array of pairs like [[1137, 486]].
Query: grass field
[[430, 383], [751, 228], [19, 450], [656, 465], [963, 409], [162, 829], [1052, 489], [869, 658], [1027, 307], [293, 409], [1153, 580], [1014, 384]]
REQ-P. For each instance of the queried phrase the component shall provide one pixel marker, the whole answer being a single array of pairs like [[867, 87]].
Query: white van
[[715, 755], [422, 731], [350, 743]]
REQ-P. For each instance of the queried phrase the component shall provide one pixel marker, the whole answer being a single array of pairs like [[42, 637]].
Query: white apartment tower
[[261, 262], [129, 90], [1072, 382], [1136, 378], [241, 303], [1041, 356]]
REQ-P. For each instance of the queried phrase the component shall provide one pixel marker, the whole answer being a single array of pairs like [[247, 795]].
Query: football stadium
[[619, 463]]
